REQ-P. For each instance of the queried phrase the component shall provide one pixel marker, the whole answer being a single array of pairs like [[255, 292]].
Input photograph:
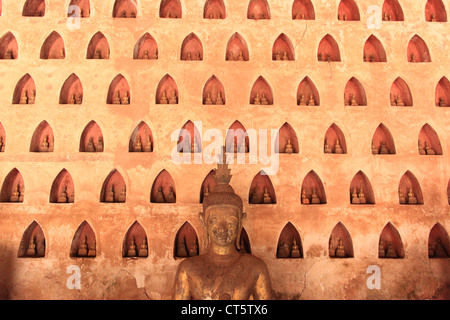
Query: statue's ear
[[201, 217], [244, 216]]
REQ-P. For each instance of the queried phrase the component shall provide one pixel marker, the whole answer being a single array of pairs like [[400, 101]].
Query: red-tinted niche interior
[[43, 139], [83, 11], [307, 93], [163, 189], [390, 244], [141, 139], [289, 243], [258, 9], [113, 189], [283, 49], [2, 138], [312, 191], [286, 141], [191, 48], [328, 50], [438, 242], [189, 139], [374, 50], [261, 93], [135, 243], [34, 8], [354, 94], [53, 47], [261, 190], [442, 95], [208, 185], [237, 49], [335, 141], [392, 11], [382, 141], [125, 9], [303, 10], [92, 138], [361, 191], [409, 190], [213, 92], [435, 11], [237, 139], [340, 244], [348, 11], [146, 48], [244, 243], [25, 91], [9, 49], [119, 91], [186, 242], [13, 188], [214, 9], [400, 95], [429, 143], [32, 244], [170, 9], [63, 190], [98, 47], [418, 50], [84, 244], [167, 91], [71, 91]]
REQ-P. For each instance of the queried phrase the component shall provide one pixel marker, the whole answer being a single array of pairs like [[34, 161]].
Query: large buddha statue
[[222, 272]]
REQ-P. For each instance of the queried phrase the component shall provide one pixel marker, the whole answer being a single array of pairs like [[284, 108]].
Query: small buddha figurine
[[257, 99], [337, 148], [173, 99], [24, 98], [421, 149], [193, 251], [384, 149], [137, 145], [399, 102], [315, 198], [441, 102], [264, 100], [44, 145], [163, 98], [332, 250], [40, 248], [372, 58], [122, 196], [312, 101], [340, 251], [99, 146], [353, 100], [110, 195], [62, 198], [15, 195], [160, 196], [79, 99], [295, 252], [305, 199], [242, 246], [143, 250], [288, 149], [21, 192], [381, 250], [393, 100], [327, 148], [302, 100], [198, 56], [8, 55], [116, 99], [277, 56], [145, 56], [90, 145], [31, 251], [181, 249], [413, 58], [131, 249], [391, 252], [401, 197], [374, 148], [411, 197], [97, 54], [283, 251], [72, 99], [320, 56], [230, 56], [125, 99], [148, 145], [155, 55], [241, 56], [345, 99], [82, 250], [219, 100], [328, 58], [208, 99], [2, 144], [170, 196], [267, 199], [362, 197], [355, 199], [429, 150], [285, 56], [205, 192], [188, 56], [255, 198]]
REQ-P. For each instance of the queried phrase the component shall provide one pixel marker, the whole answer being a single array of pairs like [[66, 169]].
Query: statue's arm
[[263, 286], [181, 286]]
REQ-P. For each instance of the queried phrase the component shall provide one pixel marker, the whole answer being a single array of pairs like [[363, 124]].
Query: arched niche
[[390, 244], [438, 242], [84, 244], [167, 91], [43, 139], [189, 139], [13, 188], [303, 10], [340, 244], [261, 190], [354, 93], [283, 49], [135, 243], [214, 9], [25, 91], [286, 141], [442, 93], [335, 141], [237, 139], [348, 11], [213, 92], [307, 93], [34, 8], [191, 48], [429, 143], [98, 47], [409, 191], [289, 243], [328, 50], [400, 95], [114, 188], [244, 243], [9, 49], [92, 138], [119, 91], [237, 49], [141, 139], [146, 48], [170, 9], [63, 189], [374, 50], [32, 244], [125, 9], [163, 189], [71, 91], [208, 185], [435, 11], [261, 93], [361, 191], [186, 242], [258, 9], [312, 191], [2, 138], [392, 11], [53, 47], [84, 9], [418, 50], [382, 141]]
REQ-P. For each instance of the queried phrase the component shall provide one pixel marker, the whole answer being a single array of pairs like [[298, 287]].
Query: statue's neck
[[223, 252]]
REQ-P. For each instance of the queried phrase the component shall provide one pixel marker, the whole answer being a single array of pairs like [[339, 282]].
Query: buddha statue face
[[222, 224]]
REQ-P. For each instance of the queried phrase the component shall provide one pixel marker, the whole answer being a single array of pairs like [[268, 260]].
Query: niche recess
[[340, 244], [286, 141], [9, 49], [167, 91], [262, 190], [374, 50], [361, 191], [283, 49], [146, 48], [334, 141], [429, 143], [32, 244], [435, 11], [244, 243], [237, 49], [382, 141], [53, 47], [2, 138], [289, 243], [98, 47], [34, 8], [119, 91], [448, 192], [213, 92], [63, 190], [191, 48], [170, 9], [25, 91], [43, 139], [258, 9], [237, 139], [354, 94], [84, 244], [13, 188], [71, 91], [307, 93], [313, 191], [189, 139], [418, 50], [400, 95], [214, 9], [328, 50], [409, 191], [114, 188], [125, 9], [392, 11], [208, 185], [390, 244], [261, 93], [348, 11], [92, 138], [186, 242], [442, 94], [163, 189], [84, 7], [135, 244], [303, 10], [141, 139], [438, 242]]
